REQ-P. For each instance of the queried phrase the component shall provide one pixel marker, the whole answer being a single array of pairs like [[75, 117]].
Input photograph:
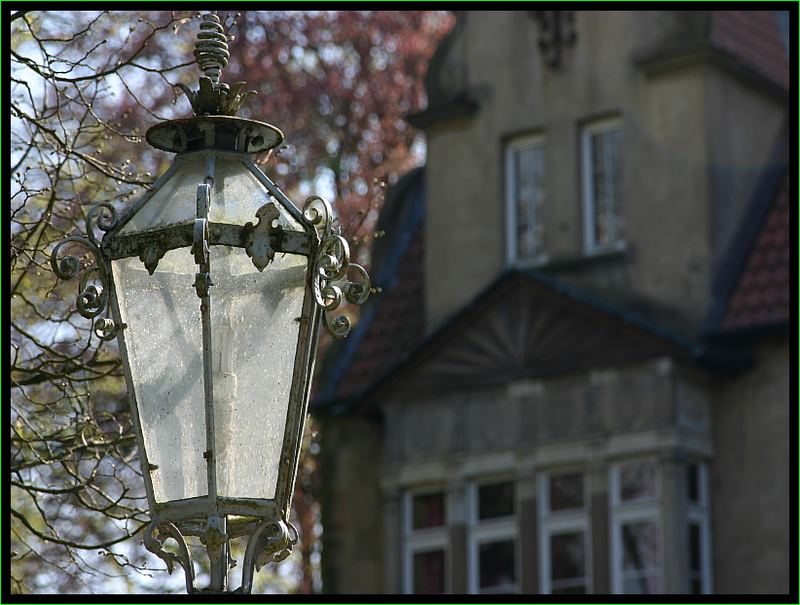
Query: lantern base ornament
[[267, 541]]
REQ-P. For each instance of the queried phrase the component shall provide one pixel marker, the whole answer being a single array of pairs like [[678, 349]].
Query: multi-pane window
[[493, 539], [564, 533], [698, 538], [601, 150], [525, 191], [636, 527], [425, 522]]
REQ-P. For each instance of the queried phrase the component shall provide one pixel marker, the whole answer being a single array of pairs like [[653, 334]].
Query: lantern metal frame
[[265, 523]]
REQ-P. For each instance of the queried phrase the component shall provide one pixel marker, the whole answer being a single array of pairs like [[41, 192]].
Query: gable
[[527, 326]]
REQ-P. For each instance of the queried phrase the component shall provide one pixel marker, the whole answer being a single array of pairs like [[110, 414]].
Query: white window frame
[[491, 530], [699, 513], [422, 540], [644, 509], [589, 243], [562, 522], [512, 146]]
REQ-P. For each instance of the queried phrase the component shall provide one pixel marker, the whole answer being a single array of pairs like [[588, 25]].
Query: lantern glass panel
[[254, 331], [164, 348], [174, 202], [236, 196]]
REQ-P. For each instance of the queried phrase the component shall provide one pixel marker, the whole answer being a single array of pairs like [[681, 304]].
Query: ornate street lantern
[[216, 284]]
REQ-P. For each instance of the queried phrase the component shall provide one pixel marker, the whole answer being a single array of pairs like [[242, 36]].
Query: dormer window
[[525, 191], [601, 151]]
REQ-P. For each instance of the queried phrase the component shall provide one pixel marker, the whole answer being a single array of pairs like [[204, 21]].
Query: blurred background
[[574, 376]]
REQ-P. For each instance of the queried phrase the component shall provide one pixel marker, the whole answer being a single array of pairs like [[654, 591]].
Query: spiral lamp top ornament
[[212, 54], [211, 50]]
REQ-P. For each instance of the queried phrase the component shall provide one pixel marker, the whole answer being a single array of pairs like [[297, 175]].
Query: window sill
[[537, 262], [619, 246], [604, 256]]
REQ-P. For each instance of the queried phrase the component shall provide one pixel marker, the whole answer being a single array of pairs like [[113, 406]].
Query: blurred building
[[576, 377]]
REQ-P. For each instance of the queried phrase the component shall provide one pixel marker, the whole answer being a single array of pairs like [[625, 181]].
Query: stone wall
[[650, 397], [351, 506]]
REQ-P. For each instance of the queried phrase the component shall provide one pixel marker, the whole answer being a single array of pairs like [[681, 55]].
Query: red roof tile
[[761, 295], [391, 325], [396, 326], [754, 38]]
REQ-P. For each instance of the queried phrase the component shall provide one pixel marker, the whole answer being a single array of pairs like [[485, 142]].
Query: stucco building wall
[[750, 507], [685, 144]]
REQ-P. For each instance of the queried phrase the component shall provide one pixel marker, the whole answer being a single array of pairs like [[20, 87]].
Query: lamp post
[[216, 284]]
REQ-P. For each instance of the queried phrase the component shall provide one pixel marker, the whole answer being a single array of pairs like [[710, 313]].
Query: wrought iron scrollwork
[[93, 284], [156, 534], [272, 541], [556, 34], [330, 283]]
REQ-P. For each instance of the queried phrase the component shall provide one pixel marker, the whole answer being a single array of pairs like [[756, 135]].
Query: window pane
[[496, 565], [695, 564], [566, 491], [615, 161], [605, 172], [599, 190], [429, 572], [428, 511], [640, 546], [567, 556], [528, 193], [496, 500], [637, 480], [693, 482]]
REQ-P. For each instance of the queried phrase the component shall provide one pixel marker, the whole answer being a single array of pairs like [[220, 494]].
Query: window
[[425, 529], [699, 535], [636, 527], [493, 543], [525, 193], [564, 543], [601, 150]]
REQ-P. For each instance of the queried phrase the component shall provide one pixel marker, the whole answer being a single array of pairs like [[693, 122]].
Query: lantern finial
[[211, 49], [212, 54]]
